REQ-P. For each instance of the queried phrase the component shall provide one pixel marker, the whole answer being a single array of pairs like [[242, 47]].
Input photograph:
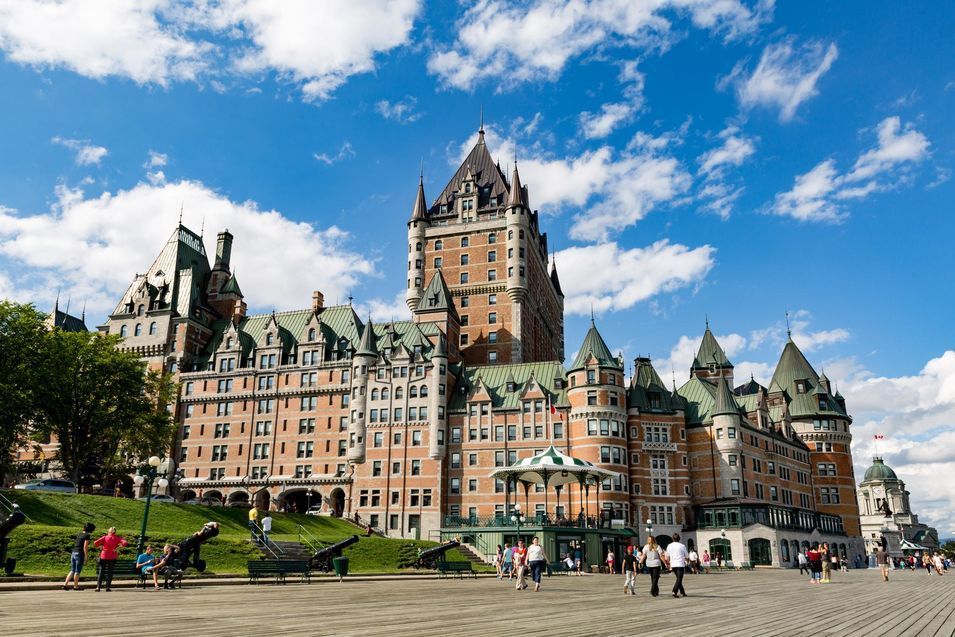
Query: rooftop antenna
[[202, 227], [350, 299], [182, 205]]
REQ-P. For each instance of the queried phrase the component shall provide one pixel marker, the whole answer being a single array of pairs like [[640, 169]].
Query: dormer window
[[654, 400], [228, 343], [139, 310], [269, 338], [467, 188], [311, 334], [591, 376], [510, 386], [800, 387]]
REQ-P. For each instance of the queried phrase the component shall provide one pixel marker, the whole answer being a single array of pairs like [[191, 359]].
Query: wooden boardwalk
[[751, 604]]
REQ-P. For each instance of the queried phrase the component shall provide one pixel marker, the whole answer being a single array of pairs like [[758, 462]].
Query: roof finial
[[789, 331], [350, 299], [83, 315], [706, 317], [182, 204], [56, 304], [421, 172], [481, 127], [592, 314], [202, 226]]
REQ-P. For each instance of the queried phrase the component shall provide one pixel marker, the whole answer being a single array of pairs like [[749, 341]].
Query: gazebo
[[554, 468]]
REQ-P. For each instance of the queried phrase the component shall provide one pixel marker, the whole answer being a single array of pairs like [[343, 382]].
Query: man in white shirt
[[676, 560], [266, 528], [694, 563]]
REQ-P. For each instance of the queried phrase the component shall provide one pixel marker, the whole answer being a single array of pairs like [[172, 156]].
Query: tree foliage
[[102, 406], [22, 351]]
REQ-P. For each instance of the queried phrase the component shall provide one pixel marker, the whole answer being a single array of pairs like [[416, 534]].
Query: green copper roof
[[699, 397], [814, 400], [437, 296], [495, 379], [646, 382], [367, 345], [879, 471], [710, 352], [231, 287], [725, 403], [594, 344]]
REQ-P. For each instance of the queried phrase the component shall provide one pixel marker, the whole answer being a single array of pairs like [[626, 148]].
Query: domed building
[[886, 512]]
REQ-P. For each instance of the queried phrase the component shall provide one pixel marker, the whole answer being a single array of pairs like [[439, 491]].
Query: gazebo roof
[[552, 467]]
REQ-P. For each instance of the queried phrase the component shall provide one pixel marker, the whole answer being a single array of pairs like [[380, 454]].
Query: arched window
[[439, 245], [424, 391], [228, 343], [417, 246], [413, 392], [399, 392], [269, 338], [138, 331], [139, 310], [374, 394], [311, 334], [152, 328], [123, 331], [385, 393]]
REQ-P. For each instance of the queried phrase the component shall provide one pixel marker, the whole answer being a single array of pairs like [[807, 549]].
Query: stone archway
[[188, 494], [664, 541], [213, 495], [299, 500], [336, 502], [239, 498]]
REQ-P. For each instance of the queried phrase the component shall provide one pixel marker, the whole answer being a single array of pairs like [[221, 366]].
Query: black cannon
[[13, 520], [322, 560], [189, 547], [432, 557]]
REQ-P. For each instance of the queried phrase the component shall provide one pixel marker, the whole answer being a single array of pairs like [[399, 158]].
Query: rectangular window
[[492, 318], [734, 486], [492, 275], [492, 256]]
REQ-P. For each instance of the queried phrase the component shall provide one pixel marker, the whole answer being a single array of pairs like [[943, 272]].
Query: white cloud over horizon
[[821, 193], [718, 192], [87, 153]]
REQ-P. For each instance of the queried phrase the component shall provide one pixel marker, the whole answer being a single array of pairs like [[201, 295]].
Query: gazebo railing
[[459, 521]]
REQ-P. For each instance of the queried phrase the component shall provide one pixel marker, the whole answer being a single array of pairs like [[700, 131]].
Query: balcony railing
[[658, 446], [457, 521]]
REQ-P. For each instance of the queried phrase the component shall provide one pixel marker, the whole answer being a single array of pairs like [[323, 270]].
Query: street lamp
[[147, 475], [518, 517], [649, 529]]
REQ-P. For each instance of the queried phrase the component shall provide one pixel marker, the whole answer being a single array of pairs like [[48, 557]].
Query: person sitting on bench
[[146, 564], [168, 567]]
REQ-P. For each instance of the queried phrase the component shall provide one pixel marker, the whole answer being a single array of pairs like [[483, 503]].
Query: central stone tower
[[482, 236]]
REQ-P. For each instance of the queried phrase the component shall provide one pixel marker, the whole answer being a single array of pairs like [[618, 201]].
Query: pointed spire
[[553, 276], [595, 345], [56, 304], [83, 314], [440, 351], [420, 210], [182, 205], [789, 332], [725, 403], [367, 345], [516, 197], [710, 352]]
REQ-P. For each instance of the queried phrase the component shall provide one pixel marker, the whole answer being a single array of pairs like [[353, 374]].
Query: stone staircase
[[287, 550], [471, 554]]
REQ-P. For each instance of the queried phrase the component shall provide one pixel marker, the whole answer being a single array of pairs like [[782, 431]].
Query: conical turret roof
[[725, 403], [516, 196], [420, 210], [440, 351], [231, 287], [792, 367], [554, 279], [437, 296], [710, 352], [594, 344], [367, 345]]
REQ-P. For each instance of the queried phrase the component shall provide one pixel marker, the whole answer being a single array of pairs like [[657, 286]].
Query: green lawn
[[42, 546]]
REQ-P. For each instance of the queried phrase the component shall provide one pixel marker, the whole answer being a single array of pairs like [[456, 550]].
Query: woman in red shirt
[[109, 543], [815, 564]]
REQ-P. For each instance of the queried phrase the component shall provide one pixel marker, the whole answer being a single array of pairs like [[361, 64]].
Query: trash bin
[[340, 564]]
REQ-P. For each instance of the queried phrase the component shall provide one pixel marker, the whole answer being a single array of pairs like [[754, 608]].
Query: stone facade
[[402, 422]]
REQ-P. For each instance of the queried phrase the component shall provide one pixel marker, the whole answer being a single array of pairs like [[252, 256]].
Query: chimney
[[223, 250], [318, 301]]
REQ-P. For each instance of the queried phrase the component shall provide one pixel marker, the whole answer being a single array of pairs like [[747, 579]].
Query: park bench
[[126, 568], [278, 569], [557, 568], [459, 569]]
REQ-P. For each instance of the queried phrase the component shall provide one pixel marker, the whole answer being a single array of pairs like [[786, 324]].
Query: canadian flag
[[878, 436], [553, 409]]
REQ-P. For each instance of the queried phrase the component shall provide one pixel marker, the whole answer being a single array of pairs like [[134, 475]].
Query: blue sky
[[735, 160]]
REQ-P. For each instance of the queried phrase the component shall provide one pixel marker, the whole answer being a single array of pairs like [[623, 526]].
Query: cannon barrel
[[322, 560], [13, 520], [431, 557], [189, 548]]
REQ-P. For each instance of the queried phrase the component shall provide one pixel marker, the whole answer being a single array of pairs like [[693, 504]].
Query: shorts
[[77, 560]]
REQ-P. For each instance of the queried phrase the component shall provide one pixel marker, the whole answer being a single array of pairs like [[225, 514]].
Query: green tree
[[102, 406], [22, 357], [948, 549]]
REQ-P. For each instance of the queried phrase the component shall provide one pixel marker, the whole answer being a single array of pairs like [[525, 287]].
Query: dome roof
[[879, 471]]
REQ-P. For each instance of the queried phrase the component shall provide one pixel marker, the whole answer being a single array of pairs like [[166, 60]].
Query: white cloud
[[785, 77], [382, 310], [607, 276], [156, 159], [316, 46], [718, 192], [535, 40], [119, 233], [619, 187], [612, 115], [401, 111], [819, 194], [344, 152], [87, 154], [125, 38]]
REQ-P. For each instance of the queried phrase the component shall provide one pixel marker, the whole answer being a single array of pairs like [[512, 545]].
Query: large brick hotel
[[402, 422]]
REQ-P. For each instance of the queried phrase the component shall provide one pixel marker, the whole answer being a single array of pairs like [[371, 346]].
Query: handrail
[[310, 545], [266, 543]]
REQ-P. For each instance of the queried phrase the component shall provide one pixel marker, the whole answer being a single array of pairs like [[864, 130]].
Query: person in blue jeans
[[537, 560], [508, 567], [81, 547]]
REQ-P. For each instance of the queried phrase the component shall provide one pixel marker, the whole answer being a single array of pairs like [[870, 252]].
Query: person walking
[[630, 572], [651, 557], [676, 556], [826, 558], [508, 564], [803, 562], [499, 561], [694, 562], [537, 560], [578, 558], [706, 561], [266, 528], [109, 545], [81, 547], [937, 562], [815, 564], [253, 522], [882, 559], [610, 559], [520, 565], [844, 563]]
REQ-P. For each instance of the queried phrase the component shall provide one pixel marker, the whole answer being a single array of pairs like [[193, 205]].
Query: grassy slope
[[42, 545]]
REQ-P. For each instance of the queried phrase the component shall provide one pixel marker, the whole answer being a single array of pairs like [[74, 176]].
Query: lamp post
[[649, 529], [517, 516], [147, 475]]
